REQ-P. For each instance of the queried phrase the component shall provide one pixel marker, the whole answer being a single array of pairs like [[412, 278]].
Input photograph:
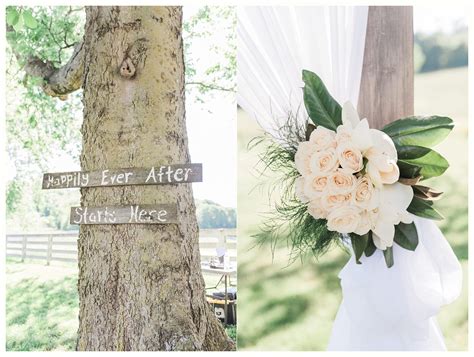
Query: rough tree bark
[[140, 286]]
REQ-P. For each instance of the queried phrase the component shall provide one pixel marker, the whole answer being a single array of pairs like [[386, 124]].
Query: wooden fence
[[63, 246]]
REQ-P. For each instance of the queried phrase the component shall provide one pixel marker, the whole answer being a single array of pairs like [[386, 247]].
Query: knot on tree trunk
[[127, 69]]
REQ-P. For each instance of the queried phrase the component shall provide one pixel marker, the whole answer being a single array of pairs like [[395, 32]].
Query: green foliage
[[213, 215], [359, 245], [431, 163], [322, 108], [209, 26], [289, 220], [388, 255], [423, 208], [406, 236], [441, 50], [420, 131]]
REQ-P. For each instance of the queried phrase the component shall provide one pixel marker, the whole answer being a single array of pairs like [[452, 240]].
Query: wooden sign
[[156, 175], [131, 214]]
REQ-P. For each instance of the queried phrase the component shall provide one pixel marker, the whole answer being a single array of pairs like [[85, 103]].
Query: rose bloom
[[365, 195], [344, 219], [303, 157], [332, 201], [367, 219], [323, 138], [350, 158], [316, 210], [299, 190], [341, 182], [324, 162], [314, 185]]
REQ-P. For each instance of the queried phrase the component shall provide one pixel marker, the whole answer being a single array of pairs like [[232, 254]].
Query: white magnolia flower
[[393, 204], [352, 126], [324, 162], [344, 219], [299, 190], [323, 138], [303, 157], [314, 185], [365, 224], [316, 210]]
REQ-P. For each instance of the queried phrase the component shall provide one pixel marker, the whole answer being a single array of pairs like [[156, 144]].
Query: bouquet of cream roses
[[354, 182]]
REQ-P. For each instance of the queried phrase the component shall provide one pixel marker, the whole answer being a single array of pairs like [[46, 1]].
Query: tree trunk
[[140, 286]]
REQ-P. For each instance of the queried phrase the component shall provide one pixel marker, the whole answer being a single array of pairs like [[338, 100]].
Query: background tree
[[140, 287], [38, 124]]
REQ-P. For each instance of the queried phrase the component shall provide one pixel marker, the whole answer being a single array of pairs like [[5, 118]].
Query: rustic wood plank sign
[[156, 175], [130, 214]]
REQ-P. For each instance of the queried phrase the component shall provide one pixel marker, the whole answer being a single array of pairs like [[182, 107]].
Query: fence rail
[[62, 246]]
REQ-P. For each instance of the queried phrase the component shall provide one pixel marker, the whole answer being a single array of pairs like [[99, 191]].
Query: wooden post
[[49, 249], [23, 248], [387, 84]]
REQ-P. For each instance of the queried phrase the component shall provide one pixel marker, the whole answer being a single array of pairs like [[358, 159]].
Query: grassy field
[[42, 306], [292, 308]]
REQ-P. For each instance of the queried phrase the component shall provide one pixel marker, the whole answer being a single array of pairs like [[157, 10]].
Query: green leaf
[[408, 170], [19, 24], [371, 248], [423, 208], [29, 20], [33, 122], [421, 131], [432, 163], [411, 152], [322, 108], [359, 243], [426, 193], [12, 16], [388, 255], [406, 236]]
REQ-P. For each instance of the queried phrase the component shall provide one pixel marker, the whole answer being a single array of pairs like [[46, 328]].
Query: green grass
[[292, 308], [42, 306]]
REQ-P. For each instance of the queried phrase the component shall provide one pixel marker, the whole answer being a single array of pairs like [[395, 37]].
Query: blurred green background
[[293, 308]]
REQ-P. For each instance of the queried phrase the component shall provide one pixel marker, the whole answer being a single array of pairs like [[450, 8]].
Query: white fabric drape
[[276, 43], [382, 309]]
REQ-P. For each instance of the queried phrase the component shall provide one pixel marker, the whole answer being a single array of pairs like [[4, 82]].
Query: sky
[[438, 18]]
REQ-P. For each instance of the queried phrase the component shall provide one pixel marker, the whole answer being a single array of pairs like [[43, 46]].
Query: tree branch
[[210, 86], [57, 82]]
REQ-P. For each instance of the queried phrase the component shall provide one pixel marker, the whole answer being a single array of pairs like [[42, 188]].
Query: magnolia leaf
[[411, 152], [406, 236], [422, 131], [371, 248], [432, 163], [29, 20], [309, 129], [426, 193], [322, 108], [388, 255], [409, 181], [359, 243], [423, 208], [408, 170]]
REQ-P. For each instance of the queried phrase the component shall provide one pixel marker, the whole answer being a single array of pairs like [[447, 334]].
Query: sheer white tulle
[[382, 309], [276, 43]]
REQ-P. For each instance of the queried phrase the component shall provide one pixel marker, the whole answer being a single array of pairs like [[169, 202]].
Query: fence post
[[49, 249], [23, 248]]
